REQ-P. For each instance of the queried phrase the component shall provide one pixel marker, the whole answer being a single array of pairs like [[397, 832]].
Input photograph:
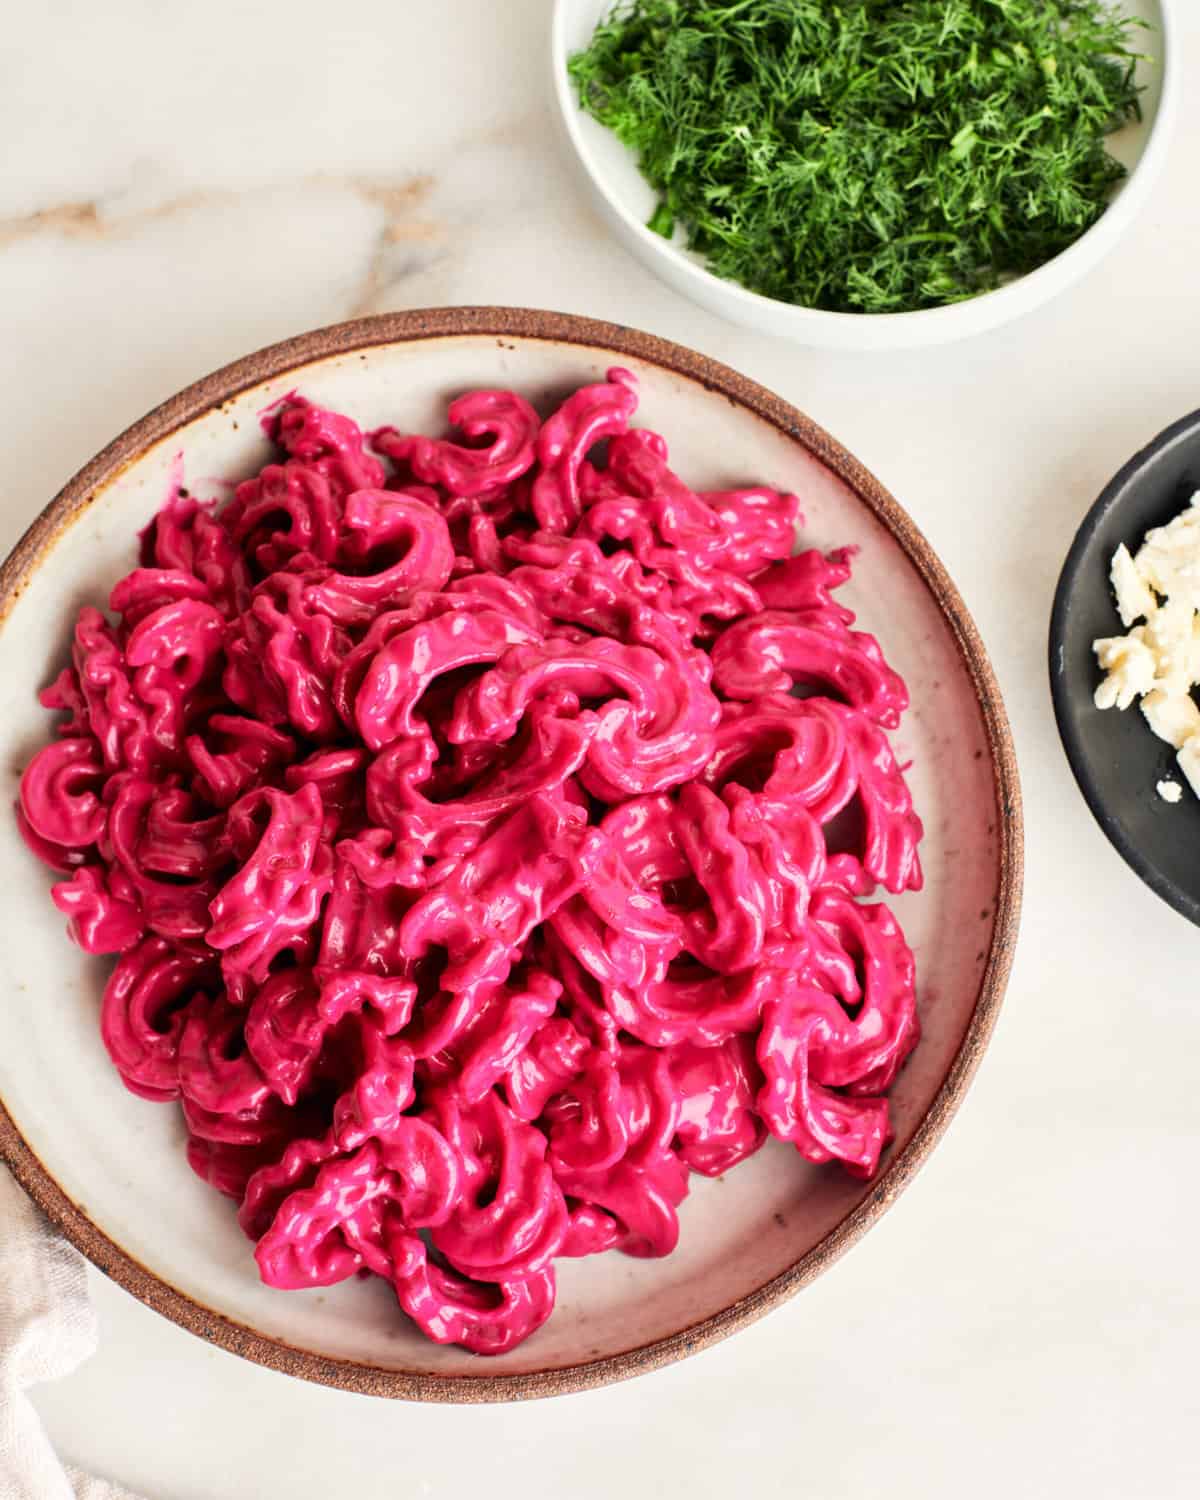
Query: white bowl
[[627, 200]]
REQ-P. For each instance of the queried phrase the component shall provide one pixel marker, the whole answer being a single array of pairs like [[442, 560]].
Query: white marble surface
[[184, 184]]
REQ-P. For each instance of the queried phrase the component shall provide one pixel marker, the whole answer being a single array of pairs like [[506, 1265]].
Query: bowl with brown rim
[[108, 1168]]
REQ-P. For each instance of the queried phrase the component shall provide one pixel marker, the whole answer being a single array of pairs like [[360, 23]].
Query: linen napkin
[[47, 1329]]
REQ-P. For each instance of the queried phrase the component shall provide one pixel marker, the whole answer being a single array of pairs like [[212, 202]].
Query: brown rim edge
[[502, 322]]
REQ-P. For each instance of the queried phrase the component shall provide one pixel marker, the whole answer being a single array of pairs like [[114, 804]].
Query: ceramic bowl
[[109, 1167], [1116, 760], [626, 201]]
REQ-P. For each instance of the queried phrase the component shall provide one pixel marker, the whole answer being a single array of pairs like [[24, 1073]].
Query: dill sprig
[[868, 155]]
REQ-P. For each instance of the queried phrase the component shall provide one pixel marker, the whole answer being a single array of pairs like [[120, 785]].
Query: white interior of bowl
[[121, 1159], [628, 201]]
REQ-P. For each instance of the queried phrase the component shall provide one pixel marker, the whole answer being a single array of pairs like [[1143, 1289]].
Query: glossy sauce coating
[[475, 868]]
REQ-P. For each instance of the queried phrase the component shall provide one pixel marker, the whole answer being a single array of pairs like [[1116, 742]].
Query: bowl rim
[[1109, 499], [934, 324], [560, 328]]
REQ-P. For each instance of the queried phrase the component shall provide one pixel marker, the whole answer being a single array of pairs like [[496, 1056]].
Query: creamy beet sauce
[[483, 831]]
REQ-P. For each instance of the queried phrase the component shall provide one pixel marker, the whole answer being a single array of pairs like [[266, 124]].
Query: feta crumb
[[1188, 760], [1174, 719], [1169, 791], [1134, 599], [1131, 668], [1166, 555]]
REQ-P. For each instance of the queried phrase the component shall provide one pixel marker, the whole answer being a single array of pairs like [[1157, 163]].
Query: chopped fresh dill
[[868, 155]]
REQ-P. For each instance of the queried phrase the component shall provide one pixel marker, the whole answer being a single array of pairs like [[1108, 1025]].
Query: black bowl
[[1116, 759]]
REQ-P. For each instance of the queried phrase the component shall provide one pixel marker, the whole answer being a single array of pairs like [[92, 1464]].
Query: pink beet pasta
[[465, 819]]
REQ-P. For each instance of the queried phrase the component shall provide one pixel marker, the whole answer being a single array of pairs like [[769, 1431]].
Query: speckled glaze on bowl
[[626, 201], [109, 1168]]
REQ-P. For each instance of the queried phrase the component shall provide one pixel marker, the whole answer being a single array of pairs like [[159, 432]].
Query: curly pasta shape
[[483, 829]]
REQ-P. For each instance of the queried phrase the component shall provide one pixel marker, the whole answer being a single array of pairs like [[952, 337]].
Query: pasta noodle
[[482, 829]]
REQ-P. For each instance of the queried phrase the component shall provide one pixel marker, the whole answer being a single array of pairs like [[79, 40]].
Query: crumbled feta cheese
[[1134, 599], [1131, 668], [1158, 661], [1188, 760], [1167, 557], [1174, 719]]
